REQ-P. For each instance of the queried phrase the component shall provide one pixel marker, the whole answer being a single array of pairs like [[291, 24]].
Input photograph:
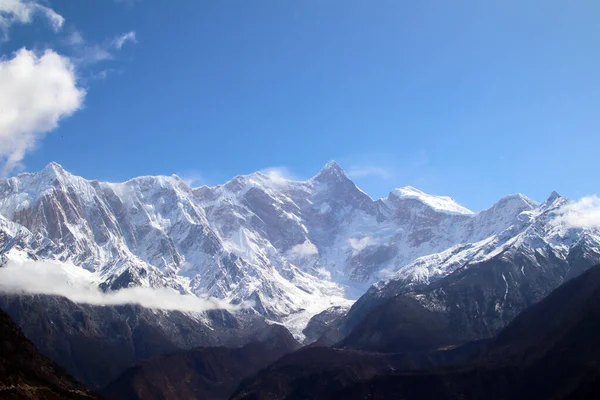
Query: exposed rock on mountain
[[482, 286], [284, 251], [291, 248]]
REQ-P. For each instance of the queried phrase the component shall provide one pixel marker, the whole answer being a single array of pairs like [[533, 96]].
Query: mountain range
[[320, 257]]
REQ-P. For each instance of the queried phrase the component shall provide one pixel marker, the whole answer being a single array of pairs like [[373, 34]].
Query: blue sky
[[472, 99]]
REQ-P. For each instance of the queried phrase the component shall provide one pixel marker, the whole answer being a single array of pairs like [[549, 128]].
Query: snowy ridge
[[536, 233], [438, 203], [292, 248]]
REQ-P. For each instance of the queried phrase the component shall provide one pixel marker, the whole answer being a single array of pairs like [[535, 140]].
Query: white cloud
[[120, 40], [192, 179], [305, 249], [23, 11], [278, 174], [584, 213], [37, 92], [368, 170], [77, 285], [360, 243]]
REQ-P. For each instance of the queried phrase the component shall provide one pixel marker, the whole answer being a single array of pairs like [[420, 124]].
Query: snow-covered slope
[[483, 284], [292, 248], [438, 203], [534, 232]]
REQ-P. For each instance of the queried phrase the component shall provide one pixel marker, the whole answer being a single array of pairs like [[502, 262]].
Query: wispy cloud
[[74, 38], [192, 179], [92, 54], [23, 12], [584, 213], [120, 40], [278, 174], [75, 284], [87, 53]]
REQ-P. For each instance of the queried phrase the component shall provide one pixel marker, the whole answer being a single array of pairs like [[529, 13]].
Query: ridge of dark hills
[[96, 344], [203, 373], [549, 351], [26, 374]]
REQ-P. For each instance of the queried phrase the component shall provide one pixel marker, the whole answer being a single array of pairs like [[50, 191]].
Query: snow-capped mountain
[[292, 248], [484, 284]]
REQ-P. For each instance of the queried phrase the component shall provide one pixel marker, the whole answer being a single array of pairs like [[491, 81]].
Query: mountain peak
[[553, 196], [332, 165], [332, 170], [443, 204], [54, 170], [516, 200], [53, 166]]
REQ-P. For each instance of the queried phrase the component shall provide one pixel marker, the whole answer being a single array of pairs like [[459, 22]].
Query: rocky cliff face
[[292, 248]]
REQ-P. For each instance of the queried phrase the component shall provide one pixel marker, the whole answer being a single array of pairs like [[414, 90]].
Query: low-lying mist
[[80, 286]]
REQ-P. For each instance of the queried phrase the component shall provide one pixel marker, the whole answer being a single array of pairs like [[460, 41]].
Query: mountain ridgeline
[[284, 245], [406, 275]]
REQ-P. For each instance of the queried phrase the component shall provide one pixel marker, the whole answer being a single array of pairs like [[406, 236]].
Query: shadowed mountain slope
[[27, 374], [550, 351], [203, 373]]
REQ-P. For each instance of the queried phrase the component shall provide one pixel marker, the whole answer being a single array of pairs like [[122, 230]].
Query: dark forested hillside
[[550, 351], [27, 374]]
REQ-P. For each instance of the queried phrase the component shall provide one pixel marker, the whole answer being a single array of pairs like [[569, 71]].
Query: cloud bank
[[584, 213], [37, 92], [77, 285]]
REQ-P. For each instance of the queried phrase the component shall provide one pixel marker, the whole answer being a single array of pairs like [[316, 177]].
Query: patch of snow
[[443, 204]]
